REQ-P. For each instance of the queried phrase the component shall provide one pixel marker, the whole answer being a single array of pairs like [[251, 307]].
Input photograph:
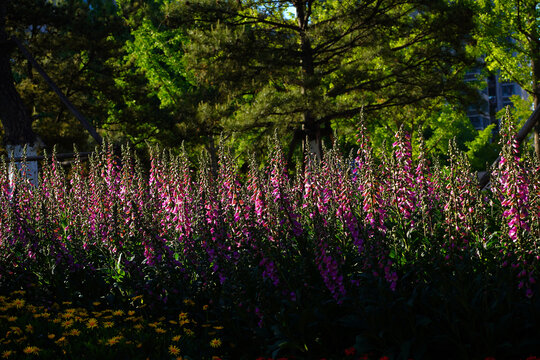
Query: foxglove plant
[[512, 184]]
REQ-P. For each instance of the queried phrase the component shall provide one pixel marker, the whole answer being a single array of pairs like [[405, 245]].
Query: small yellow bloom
[[12, 319], [96, 303], [92, 323], [218, 327], [189, 302], [51, 336], [67, 303], [29, 328], [172, 322], [118, 313], [21, 340], [138, 326], [18, 303], [131, 312], [189, 332], [57, 320], [108, 324], [18, 292], [75, 332], [67, 315], [7, 353], [114, 340], [160, 330], [205, 307], [31, 350], [45, 315], [15, 330], [173, 350], [67, 324], [215, 343], [62, 341], [176, 338]]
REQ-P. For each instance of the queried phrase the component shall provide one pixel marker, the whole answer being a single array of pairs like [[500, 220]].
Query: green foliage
[[508, 37], [482, 151], [311, 72]]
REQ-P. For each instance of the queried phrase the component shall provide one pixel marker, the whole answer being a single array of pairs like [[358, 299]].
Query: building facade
[[494, 97]]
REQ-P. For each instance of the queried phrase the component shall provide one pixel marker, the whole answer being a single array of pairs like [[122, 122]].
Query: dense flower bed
[[294, 262]]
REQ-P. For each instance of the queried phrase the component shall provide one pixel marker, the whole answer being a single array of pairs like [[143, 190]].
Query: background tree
[[71, 41], [13, 113], [307, 67], [508, 34]]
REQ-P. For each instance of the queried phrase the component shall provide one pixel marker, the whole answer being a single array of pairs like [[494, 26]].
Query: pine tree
[[302, 66]]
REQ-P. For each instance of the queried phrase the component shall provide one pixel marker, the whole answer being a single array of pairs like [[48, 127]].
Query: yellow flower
[[131, 312], [215, 343], [67, 324], [114, 340], [57, 320], [15, 330], [18, 292], [96, 303], [160, 330], [21, 340], [172, 322], [75, 332], [118, 313], [108, 324], [7, 353], [18, 303], [29, 328], [31, 350], [205, 307], [45, 315], [66, 303], [61, 342], [12, 319], [51, 336], [92, 323], [218, 327], [173, 350], [189, 302], [189, 332], [162, 318], [176, 338], [138, 326]]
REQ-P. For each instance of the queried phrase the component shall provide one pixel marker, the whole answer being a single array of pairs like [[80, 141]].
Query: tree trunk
[[15, 118], [310, 126]]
